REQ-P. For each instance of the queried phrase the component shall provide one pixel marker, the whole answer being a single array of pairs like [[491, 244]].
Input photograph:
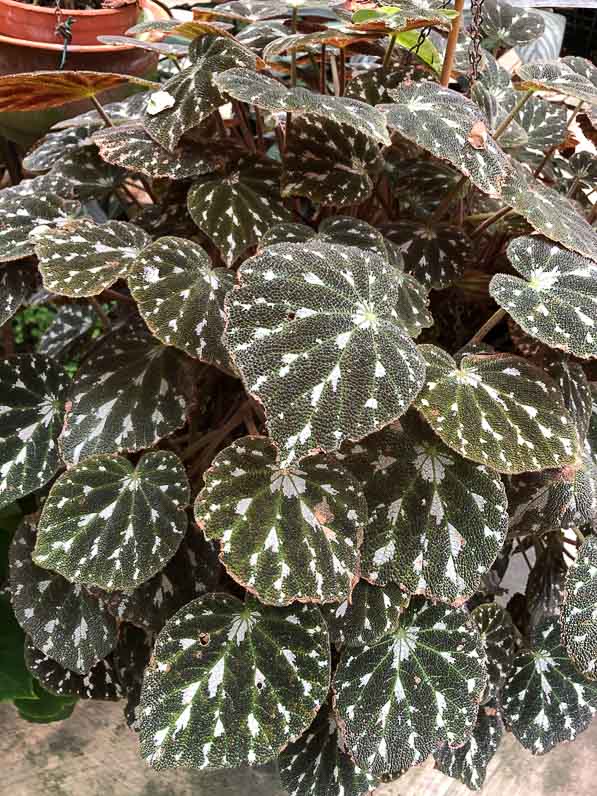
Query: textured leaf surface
[[37, 91], [63, 621], [416, 687], [100, 683], [329, 163], [437, 521], [452, 128], [556, 300], [16, 286], [373, 611], [189, 97], [113, 525], [318, 763], [23, 213], [85, 175], [126, 396], [579, 614], [498, 410], [468, 763], [224, 669], [71, 322], [32, 395], [131, 147], [545, 125], [181, 297], [235, 210], [497, 635], [260, 511], [572, 76], [575, 388], [434, 254], [542, 680], [304, 322], [271, 95], [56, 144], [82, 258], [507, 26]]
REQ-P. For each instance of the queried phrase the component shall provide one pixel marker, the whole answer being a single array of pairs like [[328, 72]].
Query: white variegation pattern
[[573, 76], [24, 210], [579, 609], [507, 26]]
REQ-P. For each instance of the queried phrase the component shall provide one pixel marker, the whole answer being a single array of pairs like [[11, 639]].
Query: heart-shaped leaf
[[498, 637], [33, 391], [100, 683], [24, 213], [542, 680], [297, 356], [82, 258], [271, 95], [372, 612], [508, 26], [545, 126], [417, 686], [329, 163], [434, 254], [55, 145], [189, 97], [234, 210], [253, 10], [575, 388], [578, 619], [109, 524], [181, 297], [498, 410], [319, 762], [452, 128], [556, 300], [17, 285], [468, 763], [223, 667], [258, 35], [437, 521], [407, 16], [132, 148], [258, 510], [71, 323], [64, 622], [572, 76], [38, 91], [128, 394], [85, 175]]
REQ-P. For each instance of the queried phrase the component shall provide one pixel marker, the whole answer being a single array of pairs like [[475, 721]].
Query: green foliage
[[235, 494]]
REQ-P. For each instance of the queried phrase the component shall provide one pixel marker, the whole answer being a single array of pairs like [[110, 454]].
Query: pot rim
[[75, 12], [157, 12]]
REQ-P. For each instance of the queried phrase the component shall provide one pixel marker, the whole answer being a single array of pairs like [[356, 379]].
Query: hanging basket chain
[[475, 56]]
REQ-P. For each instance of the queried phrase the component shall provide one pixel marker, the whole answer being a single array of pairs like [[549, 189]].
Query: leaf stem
[[448, 199], [451, 44], [489, 221], [389, 51], [505, 123], [104, 320], [496, 318], [98, 107], [579, 534], [322, 70]]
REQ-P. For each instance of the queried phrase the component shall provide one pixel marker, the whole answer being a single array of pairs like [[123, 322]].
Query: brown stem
[[497, 316], [106, 119], [244, 126], [342, 71], [114, 294], [322, 70], [489, 221], [259, 129], [451, 45], [505, 123], [104, 320], [448, 199]]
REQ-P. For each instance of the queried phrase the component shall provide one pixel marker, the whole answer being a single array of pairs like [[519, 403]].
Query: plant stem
[[335, 78], [114, 294], [322, 70], [389, 51], [342, 71], [573, 188], [294, 25], [451, 44], [244, 126], [489, 221], [505, 123], [579, 534], [497, 316], [448, 199], [106, 119], [104, 320]]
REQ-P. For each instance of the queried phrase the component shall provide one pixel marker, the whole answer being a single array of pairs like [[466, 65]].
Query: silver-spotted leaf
[[132, 148], [542, 680], [319, 764], [32, 396], [271, 95], [260, 510], [573, 76], [556, 298], [436, 520], [508, 26], [288, 232], [414, 688], [452, 128], [110, 524], [17, 285], [225, 669], [575, 388], [127, 395], [82, 258], [181, 297], [579, 609], [413, 297], [329, 163], [23, 213], [188, 98], [100, 683], [235, 210], [85, 175], [468, 763], [63, 621], [371, 613], [315, 334], [70, 324], [498, 410], [545, 126], [56, 144], [498, 637], [350, 231]]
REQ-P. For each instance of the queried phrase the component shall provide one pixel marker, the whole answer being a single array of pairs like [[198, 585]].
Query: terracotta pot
[[38, 24]]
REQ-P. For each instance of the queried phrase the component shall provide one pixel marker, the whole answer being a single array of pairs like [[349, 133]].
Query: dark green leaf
[[372, 612], [15, 679], [46, 708], [71, 323], [498, 637], [579, 622], [571, 76], [24, 213], [508, 26]]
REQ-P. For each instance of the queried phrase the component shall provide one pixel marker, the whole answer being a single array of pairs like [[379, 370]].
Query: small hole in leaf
[[259, 686]]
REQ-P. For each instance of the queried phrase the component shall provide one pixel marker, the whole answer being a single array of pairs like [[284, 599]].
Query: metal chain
[[474, 30], [414, 50], [64, 31]]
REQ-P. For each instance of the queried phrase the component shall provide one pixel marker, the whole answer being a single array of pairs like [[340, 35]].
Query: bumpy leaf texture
[[498, 410], [232, 683], [315, 334], [56, 144], [417, 686], [22, 213], [507, 26], [100, 683], [373, 612], [70, 324], [573, 76], [579, 614], [498, 637], [260, 511], [17, 284]]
